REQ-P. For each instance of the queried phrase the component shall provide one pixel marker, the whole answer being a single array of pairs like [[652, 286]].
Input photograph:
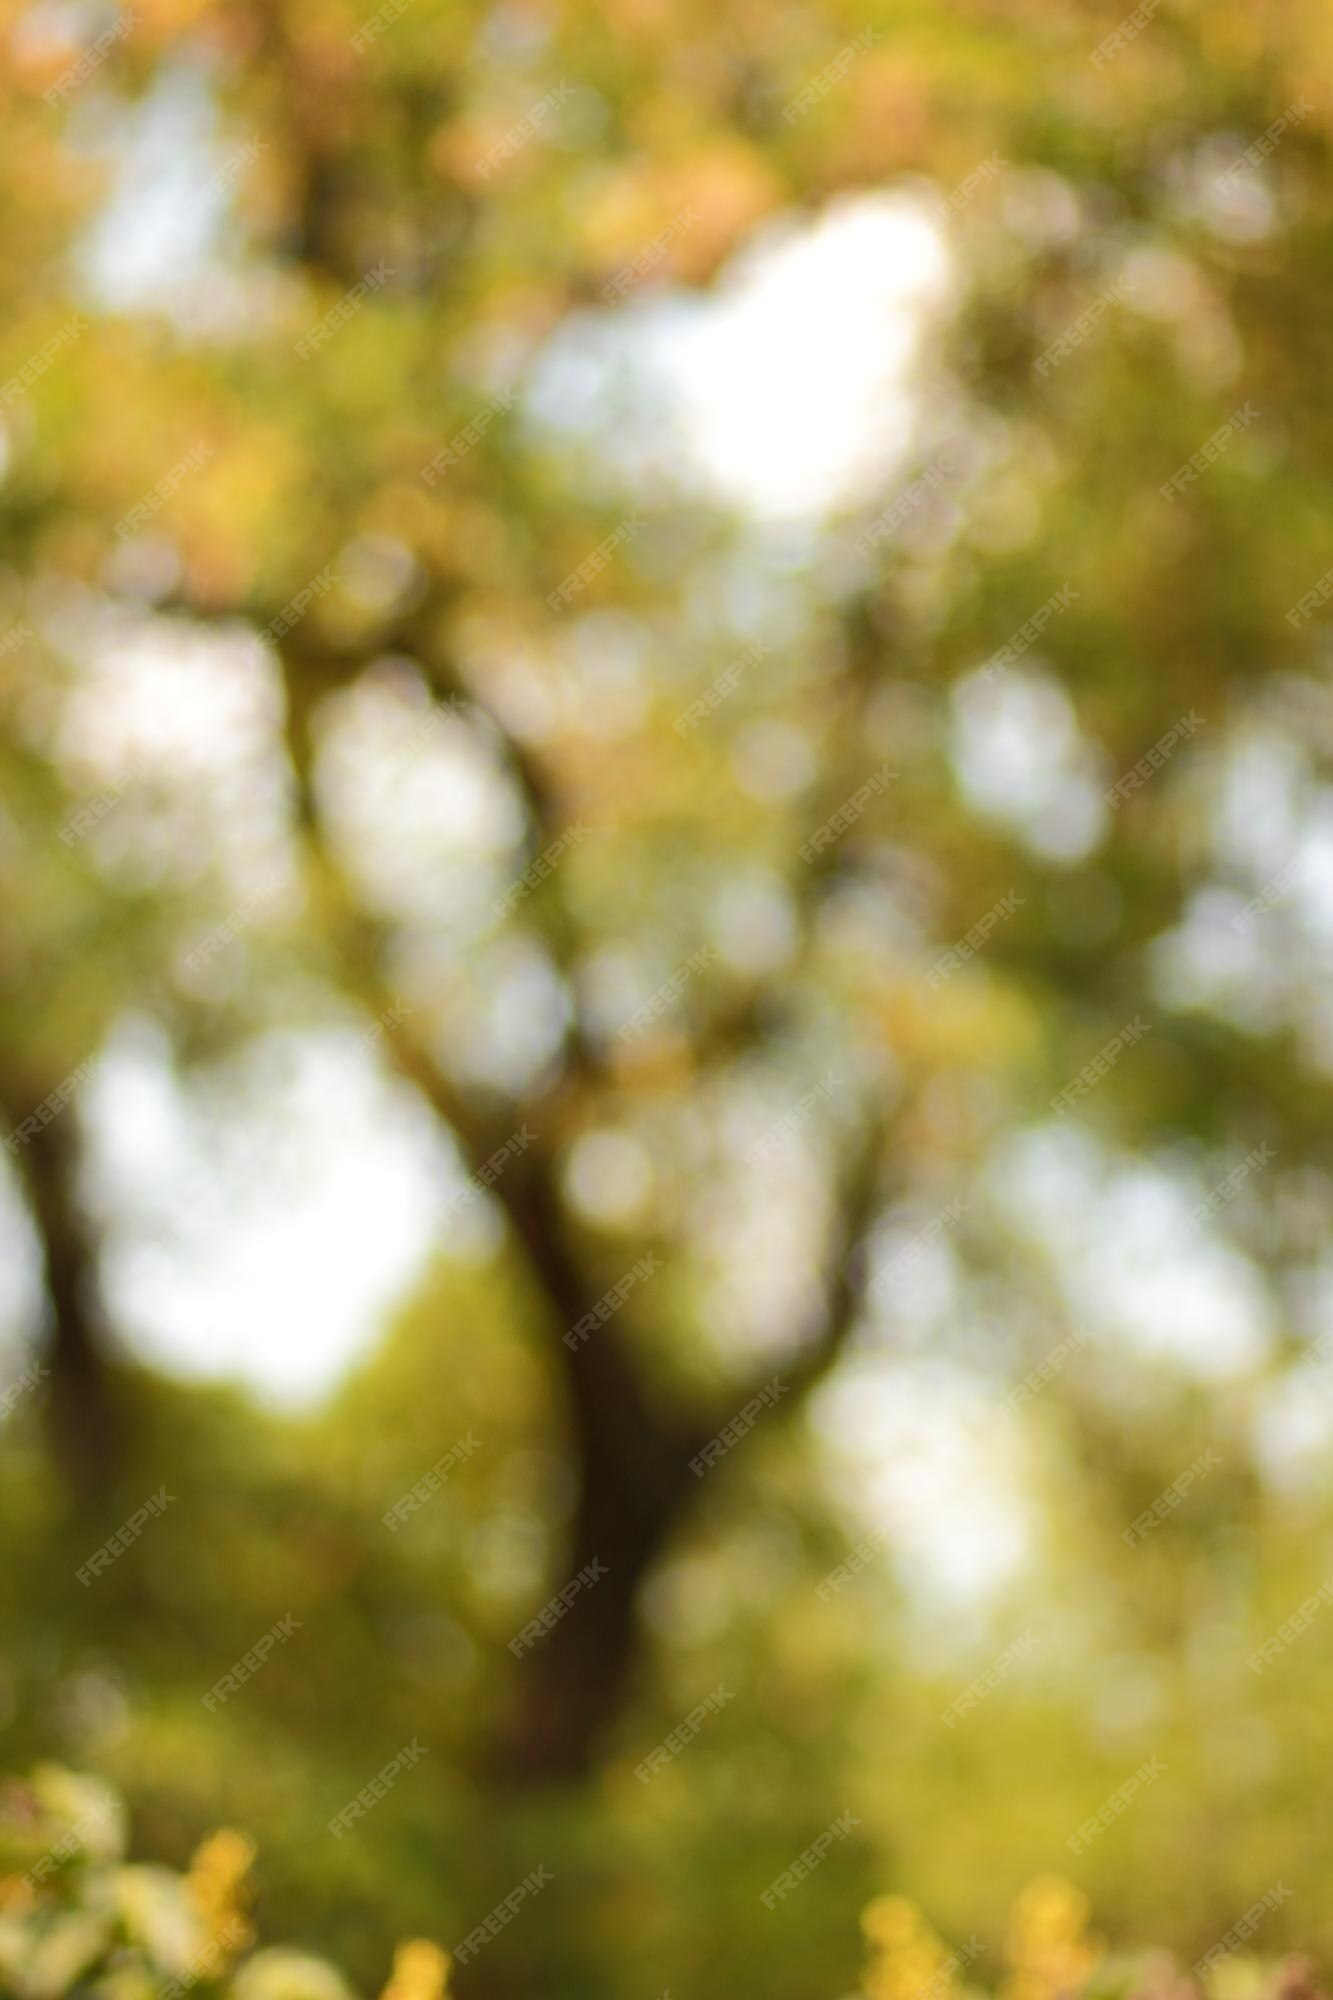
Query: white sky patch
[[753, 923], [787, 392], [189, 720], [608, 1176], [152, 237], [1020, 758], [1293, 1429], [430, 825], [1262, 778], [773, 760], [1233, 197], [1206, 961], [919, 1448], [757, 1229], [424, 816], [795, 391], [1293, 1416], [590, 677], [759, 1245], [166, 239], [265, 1219], [605, 661], [1256, 945], [503, 1014], [915, 1290], [1274, 820], [1118, 1237], [20, 1276]]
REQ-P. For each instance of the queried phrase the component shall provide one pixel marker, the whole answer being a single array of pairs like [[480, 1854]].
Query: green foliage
[[339, 154]]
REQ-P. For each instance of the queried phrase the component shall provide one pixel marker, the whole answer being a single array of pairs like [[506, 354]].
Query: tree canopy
[[664, 713]]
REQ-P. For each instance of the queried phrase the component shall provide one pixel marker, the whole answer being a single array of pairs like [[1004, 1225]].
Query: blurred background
[[663, 679]]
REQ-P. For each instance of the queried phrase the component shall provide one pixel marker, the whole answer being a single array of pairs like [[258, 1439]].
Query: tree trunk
[[81, 1412], [574, 1678]]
